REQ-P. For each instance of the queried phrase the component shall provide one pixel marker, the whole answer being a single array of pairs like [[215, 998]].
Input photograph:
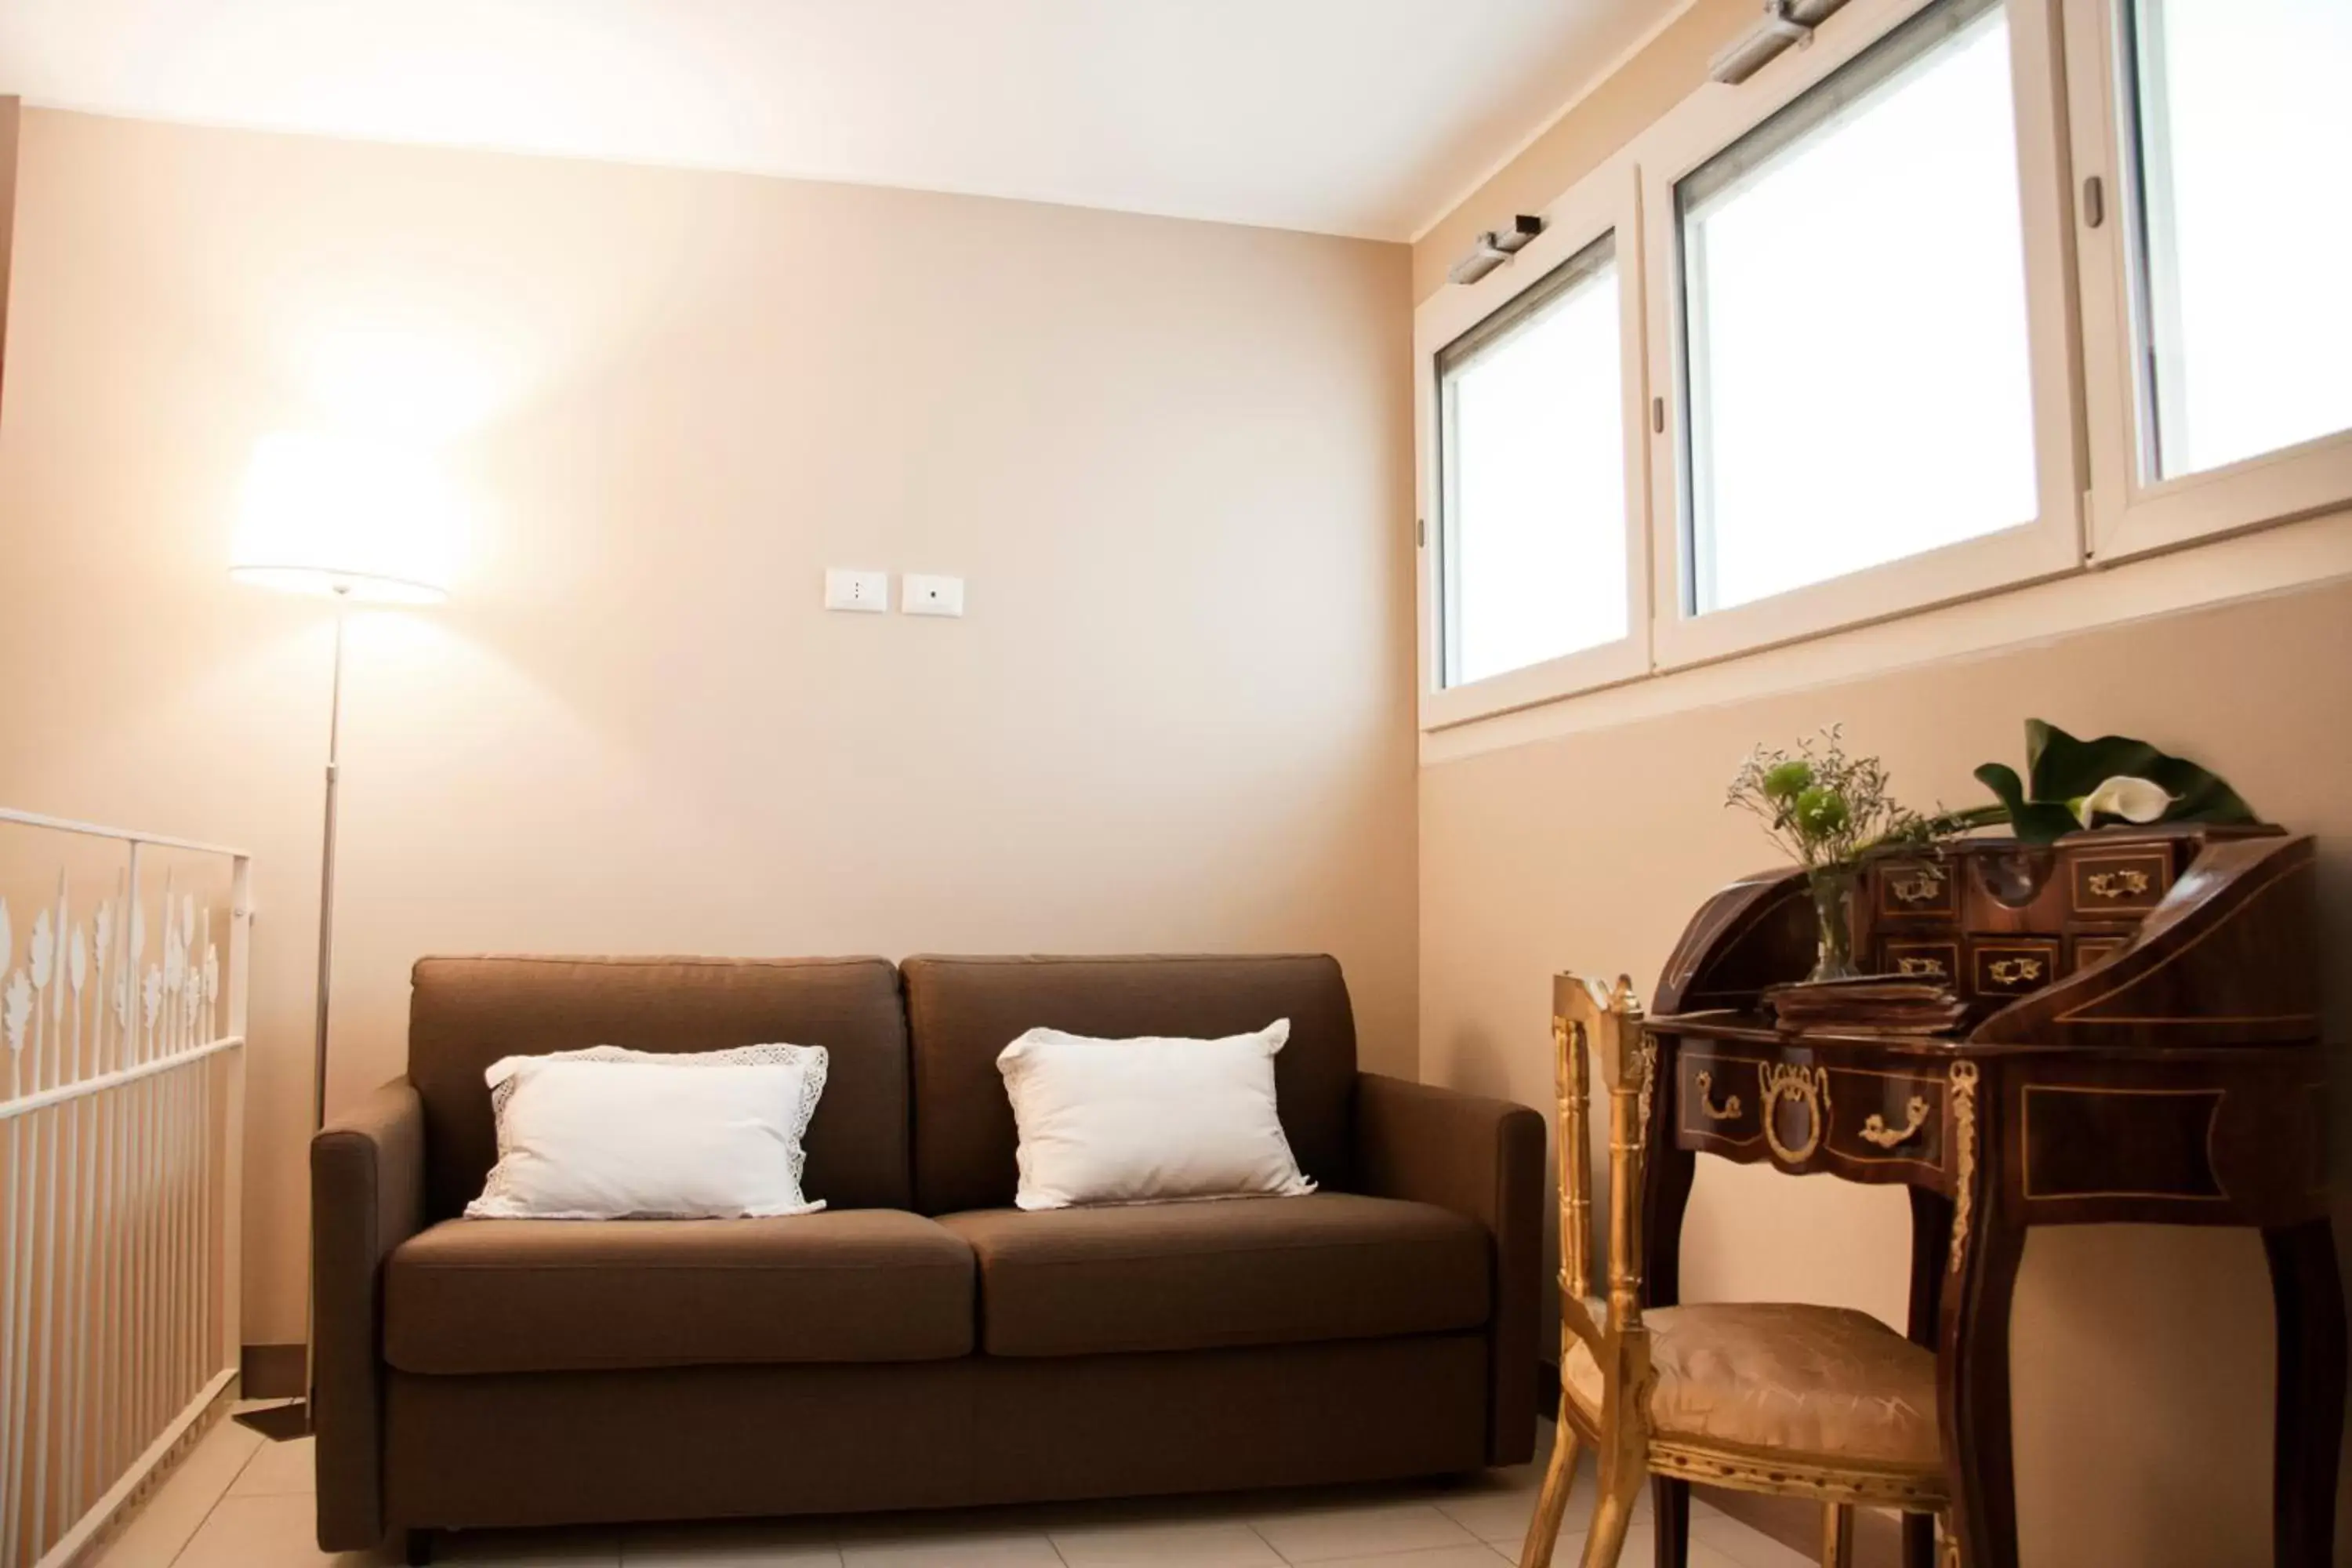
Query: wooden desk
[[2174, 1079]]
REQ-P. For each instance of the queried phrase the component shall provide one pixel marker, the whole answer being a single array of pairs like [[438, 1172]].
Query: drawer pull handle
[[1922, 888], [1908, 965], [2116, 884], [2015, 971], [1728, 1111], [1875, 1129]]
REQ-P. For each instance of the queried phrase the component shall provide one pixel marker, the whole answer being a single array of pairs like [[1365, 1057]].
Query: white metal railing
[[122, 1011]]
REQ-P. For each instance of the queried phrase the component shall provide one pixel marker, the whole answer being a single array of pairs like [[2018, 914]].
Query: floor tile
[[1748, 1548], [1477, 1555], [762, 1544], [1640, 1551], [278, 1532], [1363, 1530], [1167, 1543], [1504, 1516], [951, 1548], [174, 1515], [277, 1468]]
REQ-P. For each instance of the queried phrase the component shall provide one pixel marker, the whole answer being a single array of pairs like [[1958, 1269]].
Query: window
[[1531, 409], [1534, 498], [1856, 369], [2238, 121], [1961, 297]]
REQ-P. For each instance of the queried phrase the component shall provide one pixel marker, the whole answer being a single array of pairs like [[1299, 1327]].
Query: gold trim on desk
[[1783, 1080], [1964, 1141], [1914, 1117], [1729, 1112]]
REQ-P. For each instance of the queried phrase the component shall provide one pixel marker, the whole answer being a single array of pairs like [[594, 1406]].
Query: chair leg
[[1919, 1540], [1551, 1503], [1837, 1535], [1622, 1477]]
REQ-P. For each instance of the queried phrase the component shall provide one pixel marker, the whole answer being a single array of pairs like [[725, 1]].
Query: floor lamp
[[356, 521]]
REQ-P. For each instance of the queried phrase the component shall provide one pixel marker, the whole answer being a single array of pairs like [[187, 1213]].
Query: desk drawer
[[1917, 890], [1715, 1100], [1876, 1117], [1921, 958], [2129, 881], [2012, 965]]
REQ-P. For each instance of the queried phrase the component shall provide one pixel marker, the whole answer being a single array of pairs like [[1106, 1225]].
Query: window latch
[[2095, 202]]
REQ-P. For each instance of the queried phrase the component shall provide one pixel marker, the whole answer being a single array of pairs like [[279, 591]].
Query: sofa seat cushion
[[513, 1295], [1232, 1271]]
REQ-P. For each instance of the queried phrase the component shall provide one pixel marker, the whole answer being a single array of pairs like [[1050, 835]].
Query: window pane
[[1533, 455], [1853, 296], [2244, 121]]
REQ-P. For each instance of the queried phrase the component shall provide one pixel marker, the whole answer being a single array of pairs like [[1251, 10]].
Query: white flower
[[105, 932], [151, 995], [76, 963], [2134, 800]]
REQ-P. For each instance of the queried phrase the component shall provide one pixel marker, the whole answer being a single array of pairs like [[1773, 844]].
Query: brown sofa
[[920, 1344]]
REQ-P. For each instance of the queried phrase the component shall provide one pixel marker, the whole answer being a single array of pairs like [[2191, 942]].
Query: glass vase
[[1832, 888]]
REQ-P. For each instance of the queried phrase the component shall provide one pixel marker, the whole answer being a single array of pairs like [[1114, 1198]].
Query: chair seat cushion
[[1821, 1383], [515, 1295], [1232, 1271]]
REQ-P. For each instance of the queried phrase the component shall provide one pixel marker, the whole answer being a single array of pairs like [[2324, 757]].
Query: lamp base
[[279, 1423]]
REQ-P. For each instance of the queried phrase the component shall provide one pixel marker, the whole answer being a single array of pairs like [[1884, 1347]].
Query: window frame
[[2048, 545], [1606, 202], [2132, 514]]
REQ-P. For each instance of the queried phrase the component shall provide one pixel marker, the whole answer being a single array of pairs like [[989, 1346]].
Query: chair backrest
[[466, 1012], [1606, 1021], [962, 1011]]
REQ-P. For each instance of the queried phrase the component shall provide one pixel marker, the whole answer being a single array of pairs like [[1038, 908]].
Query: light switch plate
[[848, 590], [924, 594]]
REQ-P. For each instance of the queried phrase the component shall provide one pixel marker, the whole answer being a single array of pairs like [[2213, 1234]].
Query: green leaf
[[2033, 822], [2063, 768]]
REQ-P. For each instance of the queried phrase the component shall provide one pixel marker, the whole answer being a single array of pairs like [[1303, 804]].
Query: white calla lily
[[2133, 799]]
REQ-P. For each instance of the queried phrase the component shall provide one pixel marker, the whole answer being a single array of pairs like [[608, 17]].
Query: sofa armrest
[[367, 1196], [1484, 1159]]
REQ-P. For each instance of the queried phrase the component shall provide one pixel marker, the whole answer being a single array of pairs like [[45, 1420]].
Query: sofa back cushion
[[962, 1011], [466, 1012]]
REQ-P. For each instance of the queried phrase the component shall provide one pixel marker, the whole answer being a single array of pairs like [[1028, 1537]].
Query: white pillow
[[610, 1133], [1123, 1122]]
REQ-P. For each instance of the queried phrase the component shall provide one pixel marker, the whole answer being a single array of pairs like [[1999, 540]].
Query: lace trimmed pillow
[[610, 1133]]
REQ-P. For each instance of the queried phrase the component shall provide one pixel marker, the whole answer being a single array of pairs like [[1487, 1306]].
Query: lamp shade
[[324, 513]]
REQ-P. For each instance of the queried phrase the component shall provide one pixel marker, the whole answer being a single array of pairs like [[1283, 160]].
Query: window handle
[[2095, 202], [1658, 414]]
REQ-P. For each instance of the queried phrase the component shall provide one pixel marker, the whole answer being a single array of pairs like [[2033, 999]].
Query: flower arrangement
[[1825, 809], [1820, 804]]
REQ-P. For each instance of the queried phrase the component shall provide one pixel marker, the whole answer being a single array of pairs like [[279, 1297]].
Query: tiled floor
[[239, 1503]]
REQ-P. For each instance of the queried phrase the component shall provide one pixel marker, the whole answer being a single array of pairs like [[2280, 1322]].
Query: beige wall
[[1171, 459], [2142, 1356]]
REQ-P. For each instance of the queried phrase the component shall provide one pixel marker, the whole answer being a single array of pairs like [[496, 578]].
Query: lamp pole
[[358, 522], [327, 866]]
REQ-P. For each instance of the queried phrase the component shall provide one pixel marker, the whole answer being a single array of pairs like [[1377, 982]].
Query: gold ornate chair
[[1812, 1401]]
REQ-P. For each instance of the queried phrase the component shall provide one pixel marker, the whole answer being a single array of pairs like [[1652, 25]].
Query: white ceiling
[[1363, 117]]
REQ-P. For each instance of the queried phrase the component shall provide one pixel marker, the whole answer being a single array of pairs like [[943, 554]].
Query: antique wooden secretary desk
[[2143, 1045]]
